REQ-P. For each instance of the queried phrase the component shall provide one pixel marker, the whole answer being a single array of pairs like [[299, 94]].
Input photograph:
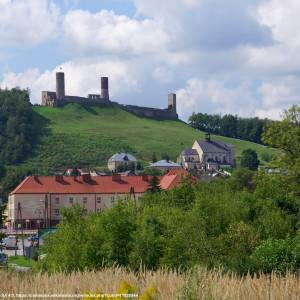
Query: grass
[[87, 137], [170, 285], [21, 261]]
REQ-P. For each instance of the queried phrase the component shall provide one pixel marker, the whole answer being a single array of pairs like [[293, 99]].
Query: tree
[[249, 159], [166, 157], [154, 185], [2, 171], [285, 136], [154, 159], [277, 256], [241, 179]]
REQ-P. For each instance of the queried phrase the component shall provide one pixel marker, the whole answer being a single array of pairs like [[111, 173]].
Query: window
[[84, 200], [99, 200], [57, 200], [56, 212], [85, 212], [112, 199], [71, 200]]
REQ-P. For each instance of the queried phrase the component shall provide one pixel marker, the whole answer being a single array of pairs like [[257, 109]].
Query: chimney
[[116, 177], [86, 177], [60, 86], [207, 137], [104, 88], [145, 177], [172, 102], [59, 177]]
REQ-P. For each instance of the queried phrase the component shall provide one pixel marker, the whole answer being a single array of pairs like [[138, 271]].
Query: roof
[[96, 184], [213, 146], [76, 185], [189, 152], [123, 157], [166, 164], [173, 178]]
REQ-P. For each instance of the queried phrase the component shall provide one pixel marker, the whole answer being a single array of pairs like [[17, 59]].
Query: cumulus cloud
[[107, 32], [27, 22], [212, 96], [208, 24]]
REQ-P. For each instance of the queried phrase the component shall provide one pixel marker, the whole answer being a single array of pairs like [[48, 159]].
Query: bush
[[277, 256]]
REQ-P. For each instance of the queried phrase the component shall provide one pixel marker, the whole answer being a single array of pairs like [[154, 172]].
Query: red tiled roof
[[95, 184], [173, 178]]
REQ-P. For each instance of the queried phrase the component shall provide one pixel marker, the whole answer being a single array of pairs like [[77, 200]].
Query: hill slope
[[87, 137]]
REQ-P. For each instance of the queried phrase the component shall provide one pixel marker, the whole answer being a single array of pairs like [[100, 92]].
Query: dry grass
[[170, 285]]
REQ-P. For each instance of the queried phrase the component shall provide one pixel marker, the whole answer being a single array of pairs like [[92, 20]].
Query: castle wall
[[152, 113]]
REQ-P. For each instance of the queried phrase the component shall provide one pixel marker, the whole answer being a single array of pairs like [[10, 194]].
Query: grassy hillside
[[74, 135]]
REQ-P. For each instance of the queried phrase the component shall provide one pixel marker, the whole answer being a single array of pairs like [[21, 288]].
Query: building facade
[[208, 155], [41, 199], [121, 160]]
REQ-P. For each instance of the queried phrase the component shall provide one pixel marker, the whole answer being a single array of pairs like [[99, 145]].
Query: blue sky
[[232, 56]]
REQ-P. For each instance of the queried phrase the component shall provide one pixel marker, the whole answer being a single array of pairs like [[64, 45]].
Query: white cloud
[[162, 74], [107, 32], [212, 96], [27, 22]]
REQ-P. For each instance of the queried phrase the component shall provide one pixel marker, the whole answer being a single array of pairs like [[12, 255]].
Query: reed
[[199, 284]]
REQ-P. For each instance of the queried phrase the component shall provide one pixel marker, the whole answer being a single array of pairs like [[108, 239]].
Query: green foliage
[[285, 135], [277, 256], [242, 179], [249, 159], [249, 129], [154, 185], [2, 171], [17, 130]]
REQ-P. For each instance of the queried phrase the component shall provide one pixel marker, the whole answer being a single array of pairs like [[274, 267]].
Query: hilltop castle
[[59, 98]]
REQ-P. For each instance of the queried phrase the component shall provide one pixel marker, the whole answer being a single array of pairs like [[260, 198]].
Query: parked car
[[33, 238], [3, 258], [10, 242]]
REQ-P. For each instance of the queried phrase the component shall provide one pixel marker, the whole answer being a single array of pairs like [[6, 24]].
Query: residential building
[[41, 198], [164, 165], [207, 155], [121, 161]]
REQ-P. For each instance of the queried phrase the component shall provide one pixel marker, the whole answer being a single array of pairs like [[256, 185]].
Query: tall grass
[[199, 284]]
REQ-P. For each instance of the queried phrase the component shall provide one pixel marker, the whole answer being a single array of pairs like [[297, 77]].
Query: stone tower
[[104, 88], [60, 86], [172, 102]]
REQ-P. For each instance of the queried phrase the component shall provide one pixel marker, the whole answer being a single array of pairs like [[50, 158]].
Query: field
[[163, 284], [78, 136]]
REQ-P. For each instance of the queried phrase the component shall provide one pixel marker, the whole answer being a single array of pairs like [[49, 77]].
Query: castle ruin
[[59, 98]]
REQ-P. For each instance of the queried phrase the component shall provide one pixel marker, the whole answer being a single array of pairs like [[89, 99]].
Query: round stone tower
[[60, 86], [104, 88]]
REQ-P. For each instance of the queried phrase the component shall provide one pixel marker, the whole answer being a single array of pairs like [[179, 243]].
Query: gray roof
[[189, 152], [123, 157], [214, 146], [166, 164]]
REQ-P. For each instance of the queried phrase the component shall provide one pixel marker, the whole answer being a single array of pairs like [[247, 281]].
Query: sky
[[218, 56]]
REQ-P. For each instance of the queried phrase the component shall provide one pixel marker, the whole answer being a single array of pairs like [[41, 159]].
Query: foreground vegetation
[[248, 223], [163, 284]]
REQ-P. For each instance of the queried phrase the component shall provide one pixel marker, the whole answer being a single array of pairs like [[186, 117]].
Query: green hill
[[87, 137]]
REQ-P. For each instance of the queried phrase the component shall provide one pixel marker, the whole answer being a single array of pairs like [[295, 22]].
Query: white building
[[121, 160], [207, 154]]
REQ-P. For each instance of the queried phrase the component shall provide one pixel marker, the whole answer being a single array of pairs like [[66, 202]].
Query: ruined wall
[[152, 113]]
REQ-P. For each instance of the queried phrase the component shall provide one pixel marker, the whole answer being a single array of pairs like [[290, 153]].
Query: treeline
[[249, 129], [17, 130]]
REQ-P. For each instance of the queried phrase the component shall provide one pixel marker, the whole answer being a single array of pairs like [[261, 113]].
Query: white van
[[10, 242]]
